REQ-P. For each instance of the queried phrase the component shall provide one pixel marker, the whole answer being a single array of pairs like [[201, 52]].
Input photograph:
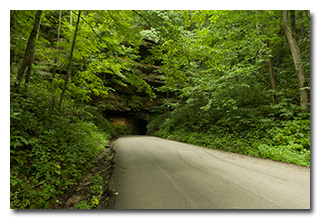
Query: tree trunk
[[70, 60], [273, 81], [58, 38], [272, 78], [281, 49], [296, 55], [28, 56], [293, 24], [302, 29], [13, 24], [28, 76]]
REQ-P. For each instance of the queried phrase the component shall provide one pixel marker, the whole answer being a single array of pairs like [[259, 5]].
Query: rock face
[[127, 120], [116, 108], [116, 102], [128, 110]]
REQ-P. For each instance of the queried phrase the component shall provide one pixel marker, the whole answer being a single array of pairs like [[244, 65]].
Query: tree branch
[[115, 20], [143, 18]]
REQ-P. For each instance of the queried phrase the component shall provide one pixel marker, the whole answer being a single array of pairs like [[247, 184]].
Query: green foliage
[[281, 148], [218, 62], [280, 132], [120, 130], [216, 67], [134, 102], [96, 190], [50, 149]]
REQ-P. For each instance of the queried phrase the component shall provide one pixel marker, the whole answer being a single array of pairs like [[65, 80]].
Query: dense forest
[[236, 81]]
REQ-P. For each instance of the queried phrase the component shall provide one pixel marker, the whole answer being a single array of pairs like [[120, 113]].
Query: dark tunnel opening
[[140, 126], [131, 123]]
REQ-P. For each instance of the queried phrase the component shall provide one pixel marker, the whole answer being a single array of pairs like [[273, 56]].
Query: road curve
[[154, 173]]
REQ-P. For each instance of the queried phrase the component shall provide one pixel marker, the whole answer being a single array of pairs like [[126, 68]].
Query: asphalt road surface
[[154, 173]]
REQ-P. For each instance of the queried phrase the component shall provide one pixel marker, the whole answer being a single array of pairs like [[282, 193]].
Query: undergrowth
[[96, 190], [50, 148], [281, 138]]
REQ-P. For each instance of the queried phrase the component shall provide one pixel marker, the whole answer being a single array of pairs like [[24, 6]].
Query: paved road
[[153, 173]]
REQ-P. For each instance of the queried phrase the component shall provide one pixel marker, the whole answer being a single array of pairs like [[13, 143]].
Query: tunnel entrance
[[140, 126], [127, 123]]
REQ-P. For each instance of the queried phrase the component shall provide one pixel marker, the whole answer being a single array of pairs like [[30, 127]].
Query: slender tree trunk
[[273, 81], [13, 24], [58, 38], [293, 24], [296, 55], [27, 59], [272, 78], [302, 29], [68, 76], [28, 76], [281, 49]]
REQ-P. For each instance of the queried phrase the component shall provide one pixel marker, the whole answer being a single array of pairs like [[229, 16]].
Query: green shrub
[[92, 200], [49, 148], [286, 140]]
